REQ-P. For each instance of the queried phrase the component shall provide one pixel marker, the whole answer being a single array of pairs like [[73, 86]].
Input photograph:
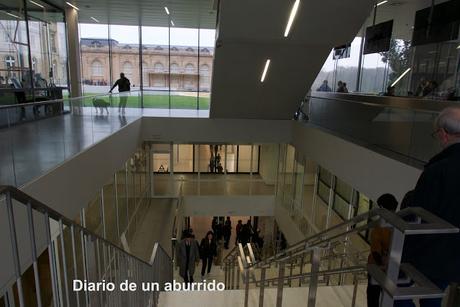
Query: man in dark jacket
[[437, 191], [124, 86], [208, 250]]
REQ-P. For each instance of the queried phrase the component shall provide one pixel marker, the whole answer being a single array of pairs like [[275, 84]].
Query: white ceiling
[[184, 13], [251, 31]]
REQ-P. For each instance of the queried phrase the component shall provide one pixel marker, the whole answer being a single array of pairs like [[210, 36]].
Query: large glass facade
[[33, 53], [428, 67], [168, 64]]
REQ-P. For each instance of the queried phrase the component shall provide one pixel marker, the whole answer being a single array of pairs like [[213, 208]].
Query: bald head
[[448, 122]]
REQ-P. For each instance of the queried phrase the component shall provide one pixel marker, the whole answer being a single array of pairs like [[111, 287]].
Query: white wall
[[367, 171], [229, 131], [229, 205]]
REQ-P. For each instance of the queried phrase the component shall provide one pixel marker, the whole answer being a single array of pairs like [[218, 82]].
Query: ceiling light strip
[[12, 15], [70, 4], [400, 77], [166, 9], [95, 19], [264, 73], [37, 4], [381, 2], [172, 23], [294, 10]]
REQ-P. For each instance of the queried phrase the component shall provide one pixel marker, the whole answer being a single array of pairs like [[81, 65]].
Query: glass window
[[183, 158], [206, 56], [343, 190], [231, 158], [184, 72], [244, 158], [95, 60], [155, 53]]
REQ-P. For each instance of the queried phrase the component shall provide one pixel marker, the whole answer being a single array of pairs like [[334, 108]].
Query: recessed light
[[95, 19], [166, 9], [458, 47], [400, 77], [294, 9], [264, 73], [37, 4], [381, 2], [172, 23], [12, 15], [70, 4]]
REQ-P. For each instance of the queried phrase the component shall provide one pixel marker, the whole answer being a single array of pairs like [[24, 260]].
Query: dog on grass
[[101, 104]]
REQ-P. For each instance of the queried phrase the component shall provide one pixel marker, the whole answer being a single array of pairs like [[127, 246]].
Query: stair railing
[[56, 251]]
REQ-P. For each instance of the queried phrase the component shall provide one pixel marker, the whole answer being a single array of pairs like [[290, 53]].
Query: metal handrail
[[434, 104], [111, 262], [25, 199], [54, 101], [314, 245]]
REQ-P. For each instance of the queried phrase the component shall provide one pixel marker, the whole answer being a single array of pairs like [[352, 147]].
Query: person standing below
[[238, 228], [124, 87], [437, 191], [324, 87], [380, 247], [227, 231], [208, 250], [246, 233], [187, 255]]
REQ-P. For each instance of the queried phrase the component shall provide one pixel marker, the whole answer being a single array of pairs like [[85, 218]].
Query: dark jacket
[[438, 191], [123, 85], [208, 250]]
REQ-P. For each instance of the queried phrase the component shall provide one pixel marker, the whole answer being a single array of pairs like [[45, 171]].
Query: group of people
[[341, 87], [436, 256], [215, 164], [189, 252], [246, 234]]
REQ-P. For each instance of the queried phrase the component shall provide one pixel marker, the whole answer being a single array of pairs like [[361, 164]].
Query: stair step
[[327, 296]]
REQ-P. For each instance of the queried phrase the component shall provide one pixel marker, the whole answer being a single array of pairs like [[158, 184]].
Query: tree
[[398, 58]]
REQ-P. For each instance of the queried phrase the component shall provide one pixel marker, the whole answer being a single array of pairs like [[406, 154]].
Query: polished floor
[[29, 150]]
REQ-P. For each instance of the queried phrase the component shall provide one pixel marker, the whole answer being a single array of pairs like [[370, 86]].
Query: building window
[[128, 68], [174, 68], [204, 69], [97, 69], [189, 68], [158, 67], [9, 61]]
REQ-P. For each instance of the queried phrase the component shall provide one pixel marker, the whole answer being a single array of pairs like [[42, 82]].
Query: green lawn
[[155, 101]]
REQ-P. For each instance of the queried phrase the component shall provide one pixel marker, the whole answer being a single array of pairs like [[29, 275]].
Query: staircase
[[48, 251]]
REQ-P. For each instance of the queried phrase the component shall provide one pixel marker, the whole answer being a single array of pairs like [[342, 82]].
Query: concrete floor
[[29, 150]]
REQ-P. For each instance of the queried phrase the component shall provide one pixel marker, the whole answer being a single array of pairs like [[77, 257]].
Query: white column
[[73, 47]]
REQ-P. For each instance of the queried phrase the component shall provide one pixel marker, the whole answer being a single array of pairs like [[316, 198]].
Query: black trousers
[[207, 261], [373, 295], [226, 241]]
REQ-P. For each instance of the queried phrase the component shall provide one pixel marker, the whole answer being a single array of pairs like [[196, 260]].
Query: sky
[[150, 35]]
